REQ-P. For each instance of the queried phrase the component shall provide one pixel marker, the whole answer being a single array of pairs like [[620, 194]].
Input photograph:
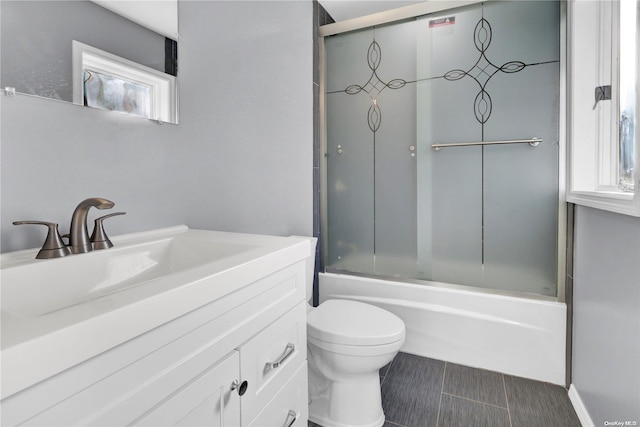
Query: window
[[628, 51], [106, 81], [603, 146]]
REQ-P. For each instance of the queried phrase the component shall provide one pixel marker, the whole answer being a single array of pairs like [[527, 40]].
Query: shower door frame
[[415, 11]]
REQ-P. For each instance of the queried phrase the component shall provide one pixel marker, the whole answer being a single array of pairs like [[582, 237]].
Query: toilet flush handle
[[288, 351]]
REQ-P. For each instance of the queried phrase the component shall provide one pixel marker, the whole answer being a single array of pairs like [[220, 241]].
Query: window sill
[[622, 203]]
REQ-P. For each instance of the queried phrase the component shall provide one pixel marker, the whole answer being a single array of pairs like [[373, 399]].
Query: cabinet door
[[207, 400]]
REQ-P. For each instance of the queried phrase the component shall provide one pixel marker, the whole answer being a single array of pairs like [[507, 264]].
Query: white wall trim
[[593, 133], [579, 407], [164, 105]]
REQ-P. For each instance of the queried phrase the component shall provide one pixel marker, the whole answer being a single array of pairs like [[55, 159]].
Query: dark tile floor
[[422, 392]]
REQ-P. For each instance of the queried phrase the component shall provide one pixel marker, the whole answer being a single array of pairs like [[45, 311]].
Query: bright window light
[[627, 94]]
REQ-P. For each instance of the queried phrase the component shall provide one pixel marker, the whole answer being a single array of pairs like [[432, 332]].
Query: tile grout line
[[444, 375], [387, 373], [548, 388], [506, 398], [382, 382], [475, 401]]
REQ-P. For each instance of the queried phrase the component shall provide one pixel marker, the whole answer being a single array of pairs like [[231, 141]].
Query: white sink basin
[[43, 287], [57, 313]]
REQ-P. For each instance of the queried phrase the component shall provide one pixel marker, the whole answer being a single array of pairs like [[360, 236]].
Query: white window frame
[[163, 86], [593, 38]]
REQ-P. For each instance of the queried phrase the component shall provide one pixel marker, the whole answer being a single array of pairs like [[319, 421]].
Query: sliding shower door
[[371, 134], [478, 212]]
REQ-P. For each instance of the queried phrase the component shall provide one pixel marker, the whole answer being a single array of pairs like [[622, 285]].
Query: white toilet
[[347, 343]]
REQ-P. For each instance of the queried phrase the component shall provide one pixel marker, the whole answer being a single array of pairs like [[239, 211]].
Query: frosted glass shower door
[[450, 180], [489, 76], [483, 215], [521, 182], [371, 152], [349, 157]]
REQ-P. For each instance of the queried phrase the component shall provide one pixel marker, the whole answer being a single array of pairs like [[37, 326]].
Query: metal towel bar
[[531, 141]]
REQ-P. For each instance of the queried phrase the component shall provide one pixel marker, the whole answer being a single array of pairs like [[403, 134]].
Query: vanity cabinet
[[237, 361]]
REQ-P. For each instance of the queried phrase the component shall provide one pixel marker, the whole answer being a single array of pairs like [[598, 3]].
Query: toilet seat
[[337, 325], [356, 350]]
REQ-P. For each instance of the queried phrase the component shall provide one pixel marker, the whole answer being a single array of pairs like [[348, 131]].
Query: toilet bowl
[[347, 344]]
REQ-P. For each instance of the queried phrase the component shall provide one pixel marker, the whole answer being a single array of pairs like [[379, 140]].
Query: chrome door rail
[[531, 141]]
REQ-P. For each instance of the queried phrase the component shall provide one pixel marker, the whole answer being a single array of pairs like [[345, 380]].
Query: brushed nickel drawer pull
[[293, 417], [287, 352]]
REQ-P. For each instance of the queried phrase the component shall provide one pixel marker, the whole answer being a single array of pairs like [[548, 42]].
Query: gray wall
[[606, 331], [240, 160]]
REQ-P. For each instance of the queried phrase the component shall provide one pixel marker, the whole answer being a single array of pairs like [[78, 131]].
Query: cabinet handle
[[291, 415], [242, 388], [288, 351]]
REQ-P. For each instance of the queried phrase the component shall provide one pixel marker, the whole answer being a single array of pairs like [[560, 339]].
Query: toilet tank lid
[[354, 323]]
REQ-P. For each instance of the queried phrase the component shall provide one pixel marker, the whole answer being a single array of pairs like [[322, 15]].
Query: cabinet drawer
[[270, 359], [289, 408]]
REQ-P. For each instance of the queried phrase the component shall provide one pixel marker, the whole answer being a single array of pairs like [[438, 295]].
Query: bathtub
[[524, 337]]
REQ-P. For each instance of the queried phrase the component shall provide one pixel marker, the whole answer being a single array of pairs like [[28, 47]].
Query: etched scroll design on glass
[[482, 71], [374, 86]]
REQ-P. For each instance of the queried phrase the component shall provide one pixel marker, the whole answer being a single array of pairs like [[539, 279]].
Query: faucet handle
[[53, 246], [99, 238]]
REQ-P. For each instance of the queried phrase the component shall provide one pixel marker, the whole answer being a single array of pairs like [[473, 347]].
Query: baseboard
[[579, 407]]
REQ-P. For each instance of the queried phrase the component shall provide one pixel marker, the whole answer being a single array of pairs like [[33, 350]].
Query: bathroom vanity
[[171, 327]]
